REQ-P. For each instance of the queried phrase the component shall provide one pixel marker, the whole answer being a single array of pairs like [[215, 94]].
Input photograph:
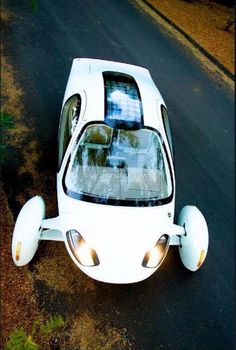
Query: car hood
[[121, 236], [110, 225]]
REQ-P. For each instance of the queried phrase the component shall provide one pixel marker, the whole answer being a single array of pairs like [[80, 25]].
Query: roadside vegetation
[[6, 124], [34, 5], [209, 23], [20, 340]]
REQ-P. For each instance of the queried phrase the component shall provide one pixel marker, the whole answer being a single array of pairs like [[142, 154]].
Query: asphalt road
[[174, 309]]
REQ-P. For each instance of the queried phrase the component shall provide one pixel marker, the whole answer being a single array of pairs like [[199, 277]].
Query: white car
[[116, 181]]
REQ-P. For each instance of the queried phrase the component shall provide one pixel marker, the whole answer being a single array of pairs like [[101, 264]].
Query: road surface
[[174, 309]]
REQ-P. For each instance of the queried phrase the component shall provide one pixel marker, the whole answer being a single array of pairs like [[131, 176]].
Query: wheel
[[194, 244], [27, 231]]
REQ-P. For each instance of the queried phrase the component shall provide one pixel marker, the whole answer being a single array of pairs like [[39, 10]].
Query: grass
[[5, 15], [6, 124], [20, 340], [86, 330], [23, 138], [18, 300]]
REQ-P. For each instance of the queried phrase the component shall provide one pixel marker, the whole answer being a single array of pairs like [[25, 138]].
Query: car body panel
[[122, 234]]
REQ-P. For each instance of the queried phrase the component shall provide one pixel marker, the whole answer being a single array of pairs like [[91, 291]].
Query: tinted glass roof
[[123, 105]]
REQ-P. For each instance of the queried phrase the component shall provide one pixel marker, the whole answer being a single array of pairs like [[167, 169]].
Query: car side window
[[166, 123], [69, 118]]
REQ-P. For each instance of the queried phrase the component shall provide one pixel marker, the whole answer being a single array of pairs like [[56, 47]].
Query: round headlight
[[154, 257], [85, 255]]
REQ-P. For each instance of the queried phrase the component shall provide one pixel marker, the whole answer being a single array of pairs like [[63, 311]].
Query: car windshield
[[118, 166]]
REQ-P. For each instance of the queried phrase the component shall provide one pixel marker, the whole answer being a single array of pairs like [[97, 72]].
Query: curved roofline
[[105, 65]]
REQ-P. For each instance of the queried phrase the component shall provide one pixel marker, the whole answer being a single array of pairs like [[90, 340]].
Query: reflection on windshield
[[119, 164]]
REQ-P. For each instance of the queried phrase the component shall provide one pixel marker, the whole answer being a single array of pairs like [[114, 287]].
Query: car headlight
[[154, 257], [85, 255]]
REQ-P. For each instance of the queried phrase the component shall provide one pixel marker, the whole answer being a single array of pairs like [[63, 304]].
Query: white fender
[[27, 231], [194, 244]]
